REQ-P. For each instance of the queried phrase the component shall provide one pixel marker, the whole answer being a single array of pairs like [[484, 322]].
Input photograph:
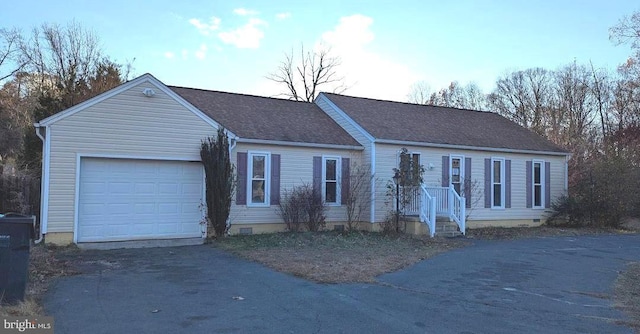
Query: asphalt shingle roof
[[257, 117], [439, 125]]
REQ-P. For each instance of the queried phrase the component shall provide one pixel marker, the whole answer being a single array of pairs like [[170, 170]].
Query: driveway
[[542, 285]]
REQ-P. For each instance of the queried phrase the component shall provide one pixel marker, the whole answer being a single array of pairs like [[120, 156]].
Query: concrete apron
[[141, 243]]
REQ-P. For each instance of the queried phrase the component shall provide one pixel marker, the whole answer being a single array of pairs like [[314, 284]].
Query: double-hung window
[[538, 184], [331, 170], [497, 183], [259, 170]]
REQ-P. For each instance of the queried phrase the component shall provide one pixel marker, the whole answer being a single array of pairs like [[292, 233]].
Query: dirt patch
[[627, 294], [330, 257], [45, 264]]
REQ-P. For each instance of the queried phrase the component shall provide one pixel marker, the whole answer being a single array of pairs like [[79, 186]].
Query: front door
[[456, 173]]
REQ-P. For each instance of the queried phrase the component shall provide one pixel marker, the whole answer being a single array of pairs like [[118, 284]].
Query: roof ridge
[[240, 94], [408, 103]]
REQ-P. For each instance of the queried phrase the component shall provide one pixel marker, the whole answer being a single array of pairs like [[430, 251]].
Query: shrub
[[303, 205], [604, 192], [220, 181], [292, 209]]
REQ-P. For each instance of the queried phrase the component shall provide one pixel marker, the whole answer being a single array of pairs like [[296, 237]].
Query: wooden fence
[[20, 193]]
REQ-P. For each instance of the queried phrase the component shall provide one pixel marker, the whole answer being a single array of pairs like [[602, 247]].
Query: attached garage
[[127, 199], [123, 169]]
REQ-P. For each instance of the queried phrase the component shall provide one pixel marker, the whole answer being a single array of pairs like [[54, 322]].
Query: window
[[331, 180], [537, 178], [456, 174], [497, 183], [410, 168], [258, 185]]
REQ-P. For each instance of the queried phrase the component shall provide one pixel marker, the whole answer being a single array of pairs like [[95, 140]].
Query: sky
[[384, 46]]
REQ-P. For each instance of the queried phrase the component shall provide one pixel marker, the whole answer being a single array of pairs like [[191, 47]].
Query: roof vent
[[148, 92]]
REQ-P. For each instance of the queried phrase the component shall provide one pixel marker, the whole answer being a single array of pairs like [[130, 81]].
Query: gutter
[[298, 144], [467, 147], [37, 128]]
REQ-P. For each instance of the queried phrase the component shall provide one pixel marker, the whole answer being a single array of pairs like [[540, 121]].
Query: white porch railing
[[442, 199], [457, 209], [449, 204], [428, 210], [412, 195]]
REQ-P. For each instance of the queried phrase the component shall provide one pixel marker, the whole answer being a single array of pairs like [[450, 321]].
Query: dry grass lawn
[[331, 257], [44, 265], [496, 233], [627, 294]]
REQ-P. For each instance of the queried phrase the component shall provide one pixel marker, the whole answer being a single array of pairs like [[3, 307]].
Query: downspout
[[41, 235]]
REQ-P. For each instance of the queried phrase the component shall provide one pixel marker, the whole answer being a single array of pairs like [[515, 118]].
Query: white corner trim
[[372, 217], [76, 200], [344, 115]]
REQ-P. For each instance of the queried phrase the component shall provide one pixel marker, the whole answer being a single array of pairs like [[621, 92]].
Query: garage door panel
[[145, 188], [123, 199]]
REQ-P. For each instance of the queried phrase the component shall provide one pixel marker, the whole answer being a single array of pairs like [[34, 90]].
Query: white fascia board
[[298, 144], [470, 148], [125, 86]]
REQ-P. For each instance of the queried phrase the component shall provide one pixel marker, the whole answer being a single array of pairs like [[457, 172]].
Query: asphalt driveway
[[542, 285]]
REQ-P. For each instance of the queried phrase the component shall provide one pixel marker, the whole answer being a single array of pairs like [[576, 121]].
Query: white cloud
[[202, 52], [247, 36], [206, 28], [244, 12], [283, 16], [169, 55], [184, 54], [367, 73]]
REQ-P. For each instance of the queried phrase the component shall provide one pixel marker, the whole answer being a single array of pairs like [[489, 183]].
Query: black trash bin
[[16, 233]]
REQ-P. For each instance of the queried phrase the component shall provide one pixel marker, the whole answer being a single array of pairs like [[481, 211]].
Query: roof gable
[[145, 78], [397, 121], [271, 119]]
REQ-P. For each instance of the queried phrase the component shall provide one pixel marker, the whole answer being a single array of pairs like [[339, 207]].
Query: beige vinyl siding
[[296, 168], [357, 135], [347, 126], [127, 124], [386, 161]]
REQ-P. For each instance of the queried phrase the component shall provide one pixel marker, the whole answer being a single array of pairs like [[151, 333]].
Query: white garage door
[[124, 199]]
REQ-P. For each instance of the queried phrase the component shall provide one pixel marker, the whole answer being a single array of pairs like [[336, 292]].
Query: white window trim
[[338, 179], [502, 183], [542, 184], [267, 178], [462, 171]]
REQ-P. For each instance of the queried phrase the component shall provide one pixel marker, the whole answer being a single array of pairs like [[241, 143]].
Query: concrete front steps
[[444, 227]]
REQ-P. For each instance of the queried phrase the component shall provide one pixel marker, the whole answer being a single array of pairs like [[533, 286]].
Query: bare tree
[[420, 93], [469, 96], [63, 59], [358, 196], [627, 31], [304, 77], [9, 51], [524, 97]]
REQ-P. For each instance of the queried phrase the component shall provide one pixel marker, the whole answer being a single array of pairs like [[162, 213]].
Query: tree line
[[47, 70]]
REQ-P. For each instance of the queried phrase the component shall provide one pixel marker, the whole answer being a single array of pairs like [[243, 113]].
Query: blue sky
[[385, 46]]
